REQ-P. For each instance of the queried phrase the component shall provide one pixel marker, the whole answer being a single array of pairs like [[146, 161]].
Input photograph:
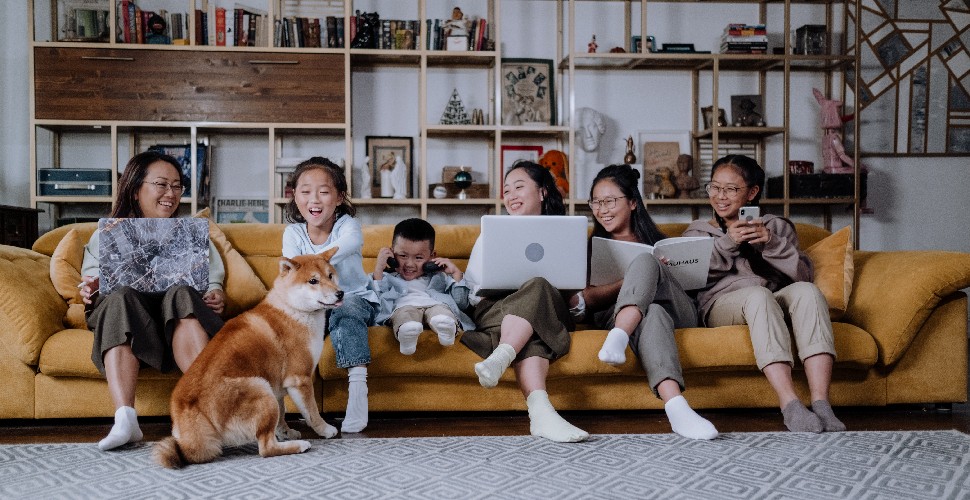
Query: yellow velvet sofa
[[902, 338]]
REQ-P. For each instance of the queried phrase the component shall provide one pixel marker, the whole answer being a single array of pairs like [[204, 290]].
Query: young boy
[[421, 290]]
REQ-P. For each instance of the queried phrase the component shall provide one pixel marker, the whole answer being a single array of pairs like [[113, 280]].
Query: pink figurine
[[834, 159], [592, 46]]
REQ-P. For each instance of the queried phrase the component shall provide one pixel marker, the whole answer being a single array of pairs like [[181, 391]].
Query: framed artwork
[[241, 210], [528, 92], [747, 111], [512, 154], [660, 149], [390, 161]]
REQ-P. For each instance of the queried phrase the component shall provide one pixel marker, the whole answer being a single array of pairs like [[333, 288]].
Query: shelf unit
[[315, 101]]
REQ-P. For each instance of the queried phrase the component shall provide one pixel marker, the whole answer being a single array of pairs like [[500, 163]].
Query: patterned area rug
[[870, 465]]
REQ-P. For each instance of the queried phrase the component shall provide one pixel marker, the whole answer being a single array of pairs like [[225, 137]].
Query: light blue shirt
[[348, 261]]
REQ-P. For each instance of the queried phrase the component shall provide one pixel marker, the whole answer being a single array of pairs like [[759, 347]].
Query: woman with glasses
[[131, 328], [758, 277], [642, 309]]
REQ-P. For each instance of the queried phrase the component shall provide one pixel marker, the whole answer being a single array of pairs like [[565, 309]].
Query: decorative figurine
[[558, 165], [399, 178], [457, 25], [386, 168], [665, 186], [748, 117], [592, 46], [365, 179], [366, 26], [684, 178], [834, 159], [463, 180], [629, 158], [156, 31], [592, 126]]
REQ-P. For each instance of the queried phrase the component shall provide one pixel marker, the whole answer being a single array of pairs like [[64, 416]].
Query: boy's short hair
[[414, 229]]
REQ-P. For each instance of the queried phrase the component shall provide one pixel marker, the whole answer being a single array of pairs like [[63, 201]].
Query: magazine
[[688, 258]]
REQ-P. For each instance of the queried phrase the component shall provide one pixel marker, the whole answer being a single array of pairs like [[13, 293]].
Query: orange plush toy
[[558, 164]]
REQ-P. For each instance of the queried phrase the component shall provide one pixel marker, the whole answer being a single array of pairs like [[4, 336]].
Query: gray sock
[[799, 419], [830, 423]]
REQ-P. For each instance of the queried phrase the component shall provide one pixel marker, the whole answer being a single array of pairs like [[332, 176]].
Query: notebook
[[518, 248], [152, 255], [688, 259]]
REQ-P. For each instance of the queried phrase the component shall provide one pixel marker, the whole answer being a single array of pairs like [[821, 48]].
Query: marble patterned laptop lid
[[152, 255]]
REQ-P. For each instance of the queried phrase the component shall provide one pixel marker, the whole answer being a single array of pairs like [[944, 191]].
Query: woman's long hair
[[133, 177], [552, 202], [292, 212], [627, 179]]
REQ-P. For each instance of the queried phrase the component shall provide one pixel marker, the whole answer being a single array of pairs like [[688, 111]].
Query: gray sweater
[[730, 271]]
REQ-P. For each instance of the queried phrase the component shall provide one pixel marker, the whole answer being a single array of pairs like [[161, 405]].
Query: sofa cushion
[[832, 258], [66, 274], [31, 310], [701, 349], [243, 288], [68, 354]]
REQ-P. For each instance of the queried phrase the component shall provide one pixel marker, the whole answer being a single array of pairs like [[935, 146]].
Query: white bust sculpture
[[399, 178], [592, 126]]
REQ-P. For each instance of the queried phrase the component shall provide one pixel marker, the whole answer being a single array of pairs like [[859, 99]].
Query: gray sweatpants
[[648, 286]]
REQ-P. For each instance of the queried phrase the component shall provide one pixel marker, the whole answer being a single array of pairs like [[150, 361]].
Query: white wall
[[918, 202]]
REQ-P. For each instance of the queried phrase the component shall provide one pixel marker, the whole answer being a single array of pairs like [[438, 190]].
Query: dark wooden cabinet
[[18, 226], [191, 86]]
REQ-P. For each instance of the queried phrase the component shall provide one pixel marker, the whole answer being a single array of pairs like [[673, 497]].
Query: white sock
[[407, 335], [124, 431], [446, 327], [686, 422], [614, 347], [490, 370], [356, 418], [545, 422]]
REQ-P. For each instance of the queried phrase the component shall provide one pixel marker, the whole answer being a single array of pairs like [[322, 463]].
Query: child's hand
[[216, 300], [450, 267], [382, 257]]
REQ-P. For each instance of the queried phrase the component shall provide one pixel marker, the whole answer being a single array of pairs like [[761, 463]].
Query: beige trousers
[[765, 313], [422, 315]]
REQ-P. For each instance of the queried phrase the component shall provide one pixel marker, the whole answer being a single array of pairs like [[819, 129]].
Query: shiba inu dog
[[233, 392]]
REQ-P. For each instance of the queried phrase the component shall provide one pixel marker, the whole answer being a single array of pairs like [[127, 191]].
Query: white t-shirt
[[417, 295]]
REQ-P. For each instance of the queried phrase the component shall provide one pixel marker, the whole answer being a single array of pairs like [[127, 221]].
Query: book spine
[[220, 26], [340, 32], [253, 22], [331, 32], [352, 28]]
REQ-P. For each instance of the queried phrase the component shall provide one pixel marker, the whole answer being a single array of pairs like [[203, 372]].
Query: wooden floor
[[492, 424]]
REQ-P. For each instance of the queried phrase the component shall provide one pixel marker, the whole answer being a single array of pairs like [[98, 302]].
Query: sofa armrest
[[893, 293], [31, 310]]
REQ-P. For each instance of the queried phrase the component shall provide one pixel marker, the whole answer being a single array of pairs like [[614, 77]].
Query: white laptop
[[152, 255], [518, 248]]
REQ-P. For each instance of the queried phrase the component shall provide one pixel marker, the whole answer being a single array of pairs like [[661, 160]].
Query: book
[[220, 26], [688, 258]]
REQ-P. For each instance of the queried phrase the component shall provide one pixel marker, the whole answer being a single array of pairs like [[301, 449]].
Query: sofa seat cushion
[[68, 354], [701, 349]]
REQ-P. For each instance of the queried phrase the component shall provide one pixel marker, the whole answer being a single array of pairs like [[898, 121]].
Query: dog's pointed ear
[[287, 265], [329, 253]]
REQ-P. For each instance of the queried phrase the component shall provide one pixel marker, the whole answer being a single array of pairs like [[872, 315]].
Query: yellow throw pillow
[[66, 274], [243, 288], [832, 258]]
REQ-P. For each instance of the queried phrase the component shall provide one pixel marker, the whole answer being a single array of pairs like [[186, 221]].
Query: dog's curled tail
[[168, 454]]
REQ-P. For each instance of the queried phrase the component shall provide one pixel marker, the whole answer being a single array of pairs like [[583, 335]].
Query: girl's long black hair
[[552, 203]]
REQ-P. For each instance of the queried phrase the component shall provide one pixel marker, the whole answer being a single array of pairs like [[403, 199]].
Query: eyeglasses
[[729, 191], [163, 187], [607, 203]]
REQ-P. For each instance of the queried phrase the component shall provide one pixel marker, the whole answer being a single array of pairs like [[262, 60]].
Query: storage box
[[816, 186], [74, 181], [810, 40]]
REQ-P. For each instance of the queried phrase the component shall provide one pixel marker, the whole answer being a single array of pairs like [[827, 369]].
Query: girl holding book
[[644, 307]]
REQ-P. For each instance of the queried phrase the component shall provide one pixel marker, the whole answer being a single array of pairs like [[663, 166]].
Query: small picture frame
[[528, 92], [512, 154], [747, 111], [383, 153], [636, 44], [240, 210]]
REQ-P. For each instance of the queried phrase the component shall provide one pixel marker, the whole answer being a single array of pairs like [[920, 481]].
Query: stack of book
[[740, 38]]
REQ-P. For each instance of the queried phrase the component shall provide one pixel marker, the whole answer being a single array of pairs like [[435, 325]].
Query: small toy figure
[[684, 178], [748, 117], [457, 25], [629, 158], [558, 165], [665, 186], [156, 31], [834, 159], [592, 46]]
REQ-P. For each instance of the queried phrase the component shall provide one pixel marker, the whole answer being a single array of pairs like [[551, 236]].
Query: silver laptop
[[152, 255], [518, 248]]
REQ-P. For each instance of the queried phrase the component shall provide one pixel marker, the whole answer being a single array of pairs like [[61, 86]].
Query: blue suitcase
[[74, 181]]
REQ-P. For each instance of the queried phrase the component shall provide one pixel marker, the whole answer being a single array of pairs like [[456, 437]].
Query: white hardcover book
[[688, 258]]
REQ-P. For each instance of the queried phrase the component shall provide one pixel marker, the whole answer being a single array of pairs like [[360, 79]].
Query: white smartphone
[[749, 214]]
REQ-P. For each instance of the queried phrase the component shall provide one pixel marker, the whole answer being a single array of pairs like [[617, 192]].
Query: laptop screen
[[152, 255]]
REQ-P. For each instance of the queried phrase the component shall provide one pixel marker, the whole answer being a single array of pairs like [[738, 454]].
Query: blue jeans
[[348, 331]]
